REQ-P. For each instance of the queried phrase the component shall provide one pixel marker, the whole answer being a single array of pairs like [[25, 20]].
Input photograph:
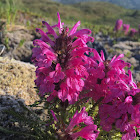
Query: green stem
[[93, 107]]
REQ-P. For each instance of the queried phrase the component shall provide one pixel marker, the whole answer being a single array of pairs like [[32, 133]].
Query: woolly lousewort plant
[[133, 32], [118, 25], [126, 28], [61, 63], [70, 79], [71, 132]]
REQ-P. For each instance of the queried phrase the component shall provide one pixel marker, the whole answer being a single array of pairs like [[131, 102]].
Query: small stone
[[127, 53], [137, 57], [133, 61], [122, 46]]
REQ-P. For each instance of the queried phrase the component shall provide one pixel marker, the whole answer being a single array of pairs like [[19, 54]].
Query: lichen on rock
[[17, 79]]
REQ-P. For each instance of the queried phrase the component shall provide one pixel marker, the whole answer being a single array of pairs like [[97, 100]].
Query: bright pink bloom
[[57, 75], [126, 28], [124, 114], [108, 83], [54, 117], [64, 59], [106, 77], [88, 132], [133, 32], [130, 134], [79, 118], [118, 25], [75, 129]]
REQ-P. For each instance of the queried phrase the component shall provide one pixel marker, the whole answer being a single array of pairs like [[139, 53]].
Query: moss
[[17, 78]]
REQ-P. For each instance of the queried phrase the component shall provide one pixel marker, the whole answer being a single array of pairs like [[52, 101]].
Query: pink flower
[[106, 77], [118, 25], [131, 83], [75, 129], [126, 28], [88, 132], [65, 59], [123, 113], [79, 118], [57, 75], [116, 92], [54, 117], [129, 135], [132, 32]]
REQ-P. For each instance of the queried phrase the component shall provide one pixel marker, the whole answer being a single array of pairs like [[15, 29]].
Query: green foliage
[[97, 16], [6, 42], [34, 127], [21, 42], [92, 12], [63, 112], [9, 10], [128, 54]]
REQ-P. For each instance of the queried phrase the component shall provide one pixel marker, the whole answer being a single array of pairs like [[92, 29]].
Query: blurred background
[[89, 12]]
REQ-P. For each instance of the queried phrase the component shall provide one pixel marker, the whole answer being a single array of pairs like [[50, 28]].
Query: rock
[[22, 53], [127, 53], [133, 61], [97, 37], [137, 76], [18, 119], [17, 79], [137, 57], [2, 48], [7, 104], [18, 45], [122, 45], [18, 35], [132, 44], [118, 51], [16, 92]]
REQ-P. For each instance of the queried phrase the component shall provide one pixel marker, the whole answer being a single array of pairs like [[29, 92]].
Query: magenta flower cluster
[[125, 28], [118, 94], [61, 64], [65, 72], [118, 25], [89, 132]]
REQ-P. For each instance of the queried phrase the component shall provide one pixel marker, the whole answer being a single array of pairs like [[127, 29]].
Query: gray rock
[[127, 53], [137, 56], [122, 46], [2, 48], [133, 61], [137, 76], [22, 53], [10, 104], [18, 45], [17, 118]]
